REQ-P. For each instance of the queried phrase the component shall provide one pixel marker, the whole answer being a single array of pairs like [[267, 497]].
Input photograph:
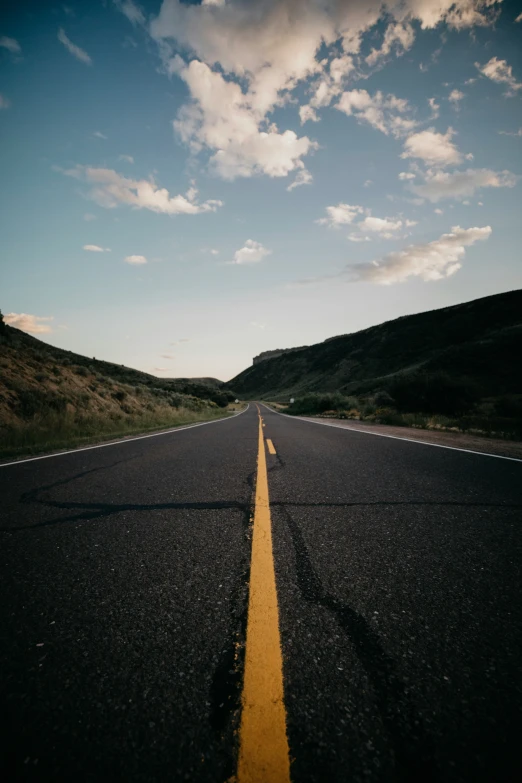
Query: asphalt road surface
[[125, 607]]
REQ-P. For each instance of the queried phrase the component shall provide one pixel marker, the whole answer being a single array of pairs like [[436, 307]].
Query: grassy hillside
[[51, 398], [458, 361]]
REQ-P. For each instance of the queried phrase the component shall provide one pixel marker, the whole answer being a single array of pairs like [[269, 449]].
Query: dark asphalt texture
[[124, 595]]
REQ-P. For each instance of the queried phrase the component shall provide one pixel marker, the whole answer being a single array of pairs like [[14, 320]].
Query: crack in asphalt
[[413, 758]]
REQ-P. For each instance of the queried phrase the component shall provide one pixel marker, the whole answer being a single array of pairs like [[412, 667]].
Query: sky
[[186, 184]]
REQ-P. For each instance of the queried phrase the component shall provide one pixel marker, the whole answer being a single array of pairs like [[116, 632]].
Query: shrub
[[433, 393], [82, 371], [319, 403], [119, 395]]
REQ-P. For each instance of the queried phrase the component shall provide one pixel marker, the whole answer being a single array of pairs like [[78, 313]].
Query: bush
[[82, 371], [119, 395], [319, 403], [433, 393]]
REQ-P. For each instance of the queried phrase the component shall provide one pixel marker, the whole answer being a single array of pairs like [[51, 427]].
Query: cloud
[[131, 10], [183, 340], [246, 58], [167, 356], [5, 103], [435, 149], [109, 189], [222, 119], [162, 369], [398, 36], [461, 184], [358, 238], [251, 253], [257, 325], [404, 175], [11, 44], [434, 106], [127, 158], [34, 324], [502, 73], [97, 249], [89, 216], [519, 18], [383, 226], [80, 54], [511, 133], [385, 113], [214, 252], [341, 215], [433, 261], [135, 260], [99, 135], [303, 178], [455, 97]]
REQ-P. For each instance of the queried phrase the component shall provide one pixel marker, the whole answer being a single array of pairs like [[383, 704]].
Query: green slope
[[479, 342]]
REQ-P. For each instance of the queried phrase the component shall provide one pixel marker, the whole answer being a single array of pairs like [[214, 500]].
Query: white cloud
[[439, 211], [110, 189], [376, 225], [183, 340], [127, 158], [167, 356], [34, 324], [89, 216], [358, 238], [269, 47], [222, 118], [433, 261], [96, 249], [385, 113], [367, 183], [435, 149], [131, 10], [251, 253], [257, 325], [11, 44], [511, 133], [455, 97], [406, 175], [519, 18], [303, 178], [99, 135], [214, 252], [341, 215], [434, 106], [135, 260], [398, 36], [461, 184], [306, 112], [80, 54], [5, 103], [502, 73]]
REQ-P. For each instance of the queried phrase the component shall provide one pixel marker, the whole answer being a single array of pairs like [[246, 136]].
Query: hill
[[52, 397], [446, 361]]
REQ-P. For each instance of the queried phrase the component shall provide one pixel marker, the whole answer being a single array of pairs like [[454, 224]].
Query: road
[[130, 638]]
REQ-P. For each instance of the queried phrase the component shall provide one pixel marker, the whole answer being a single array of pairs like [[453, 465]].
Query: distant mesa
[[276, 352]]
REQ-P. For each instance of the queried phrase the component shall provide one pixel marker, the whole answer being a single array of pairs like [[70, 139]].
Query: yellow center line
[[263, 744], [271, 447]]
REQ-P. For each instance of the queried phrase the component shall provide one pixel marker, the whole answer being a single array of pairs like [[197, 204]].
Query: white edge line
[[393, 437], [123, 440]]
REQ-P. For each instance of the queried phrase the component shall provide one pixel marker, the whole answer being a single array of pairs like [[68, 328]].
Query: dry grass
[[56, 431]]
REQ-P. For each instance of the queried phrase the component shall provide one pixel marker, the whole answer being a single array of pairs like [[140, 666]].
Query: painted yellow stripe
[[271, 447], [263, 744]]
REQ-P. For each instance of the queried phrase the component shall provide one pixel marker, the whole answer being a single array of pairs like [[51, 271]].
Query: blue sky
[[186, 185]]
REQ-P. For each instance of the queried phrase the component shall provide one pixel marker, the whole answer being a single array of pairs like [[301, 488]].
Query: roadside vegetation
[[425, 401], [54, 399]]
